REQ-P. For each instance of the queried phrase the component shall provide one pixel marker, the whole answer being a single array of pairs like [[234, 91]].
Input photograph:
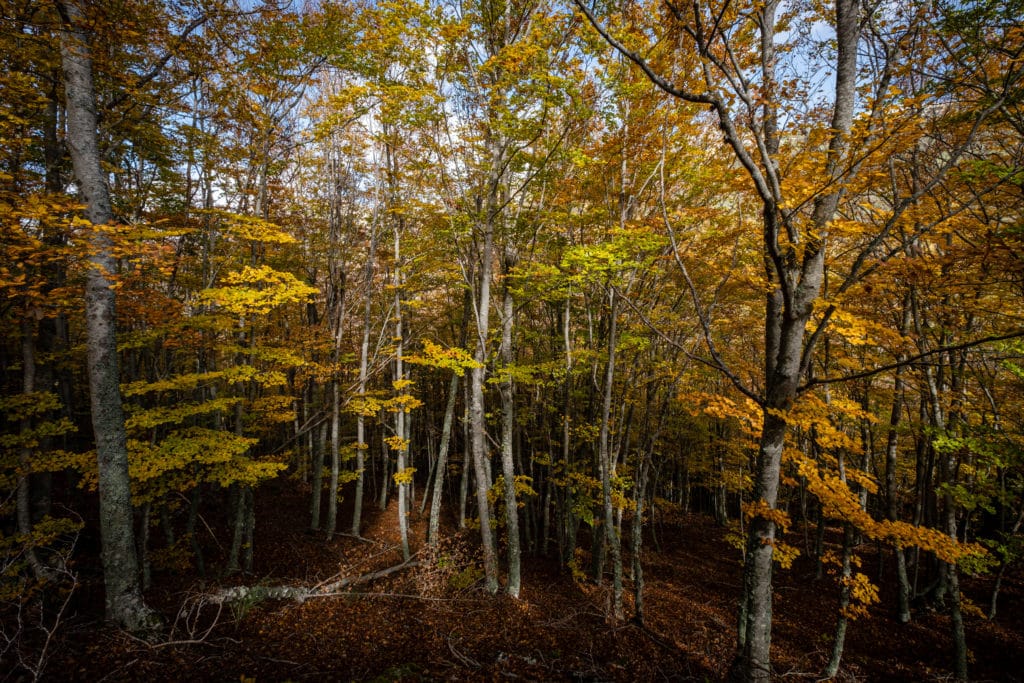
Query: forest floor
[[433, 621]]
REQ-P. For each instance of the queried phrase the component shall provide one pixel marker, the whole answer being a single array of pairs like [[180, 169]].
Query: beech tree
[[735, 266], [745, 85], [120, 565]]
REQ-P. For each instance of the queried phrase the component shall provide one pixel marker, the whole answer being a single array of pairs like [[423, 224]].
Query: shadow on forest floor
[[434, 622]]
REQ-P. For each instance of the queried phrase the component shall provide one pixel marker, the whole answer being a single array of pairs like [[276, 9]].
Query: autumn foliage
[[524, 292]]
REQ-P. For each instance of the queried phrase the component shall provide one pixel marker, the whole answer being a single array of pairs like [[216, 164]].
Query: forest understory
[[434, 621]]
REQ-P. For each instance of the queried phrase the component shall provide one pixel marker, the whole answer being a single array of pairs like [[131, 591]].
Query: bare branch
[[910, 360]]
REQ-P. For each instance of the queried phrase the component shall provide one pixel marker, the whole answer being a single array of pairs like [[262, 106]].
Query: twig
[[281, 661], [466, 661], [120, 668], [409, 596], [358, 538]]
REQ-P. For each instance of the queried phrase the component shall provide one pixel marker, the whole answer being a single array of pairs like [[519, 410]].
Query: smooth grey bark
[[508, 420], [318, 476], [478, 440], [446, 433], [849, 533], [410, 459], [477, 421], [467, 456], [611, 534], [301, 593], [385, 474], [892, 504], [338, 281], [400, 415], [957, 619], [721, 494], [951, 507], [794, 274], [434, 524], [124, 603], [236, 556], [795, 286], [567, 519], [338, 277], [237, 504], [949, 581], [364, 360], [310, 430], [839, 639], [428, 436], [639, 492], [331, 524]]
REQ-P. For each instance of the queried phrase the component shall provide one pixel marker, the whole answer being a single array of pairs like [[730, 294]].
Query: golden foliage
[[404, 476]]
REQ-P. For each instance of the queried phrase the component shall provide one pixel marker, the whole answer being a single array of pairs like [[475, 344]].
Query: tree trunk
[[849, 533], [639, 492], [23, 504], [190, 529], [506, 390], [957, 622], [755, 628], [338, 283], [364, 360], [892, 503], [332, 487], [796, 283], [478, 426], [442, 462], [318, 477], [143, 539], [385, 475], [400, 416], [428, 436], [839, 641], [237, 502], [1002, 570], [446, 433], [248, 541], [124, 603], [611, 534], [545, 523], [467, 456], [478, 437]]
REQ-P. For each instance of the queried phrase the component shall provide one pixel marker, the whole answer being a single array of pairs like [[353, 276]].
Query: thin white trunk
[[364, 359], [442, 461], [506, 389], [478, 426], [400, 416], [612, 537]]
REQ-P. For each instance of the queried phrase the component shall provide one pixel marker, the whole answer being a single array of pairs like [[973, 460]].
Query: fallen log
[[301, 593]]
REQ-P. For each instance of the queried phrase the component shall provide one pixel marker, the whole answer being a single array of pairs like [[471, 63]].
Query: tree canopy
[[552, 268]]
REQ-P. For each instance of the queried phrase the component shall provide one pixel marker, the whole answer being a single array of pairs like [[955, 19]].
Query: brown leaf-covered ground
[[434, 622]]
